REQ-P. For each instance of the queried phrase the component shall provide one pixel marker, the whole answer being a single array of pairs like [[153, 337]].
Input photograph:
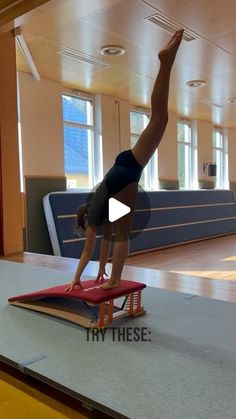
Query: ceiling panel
[[84, 37], [228, 78], [11, 9], [57, 67], [139, 31], [206, 17], [58, 13], [85, 26], [126, 20], [227, 41], [205, 58]]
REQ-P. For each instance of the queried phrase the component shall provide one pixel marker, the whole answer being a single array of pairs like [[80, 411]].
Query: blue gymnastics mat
[[185, 367]]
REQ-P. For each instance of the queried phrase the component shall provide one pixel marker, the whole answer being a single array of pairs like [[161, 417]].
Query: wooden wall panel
[[11, 197], [11, 9], [1, 205]]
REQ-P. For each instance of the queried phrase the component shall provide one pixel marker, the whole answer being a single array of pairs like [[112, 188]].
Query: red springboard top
[[92, 292]]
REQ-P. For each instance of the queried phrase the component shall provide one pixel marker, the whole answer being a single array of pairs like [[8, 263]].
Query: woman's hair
[[82, 213]]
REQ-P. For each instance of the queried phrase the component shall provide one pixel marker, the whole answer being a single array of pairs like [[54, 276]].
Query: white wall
[[109, 114], [204, 145], [167, 151], [232, 154], [41, 126], [124, 128], [42, 133]]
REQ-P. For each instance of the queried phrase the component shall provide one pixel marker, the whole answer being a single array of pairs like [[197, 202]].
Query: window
[[220, 157], [138, 122], [187, 156], [78, 141]]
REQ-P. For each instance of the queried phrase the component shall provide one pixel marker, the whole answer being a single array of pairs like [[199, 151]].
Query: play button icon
[[116, 210]]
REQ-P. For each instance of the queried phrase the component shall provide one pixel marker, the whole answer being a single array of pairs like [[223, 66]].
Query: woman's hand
[[85, 257], [76, 281], [100, 275]]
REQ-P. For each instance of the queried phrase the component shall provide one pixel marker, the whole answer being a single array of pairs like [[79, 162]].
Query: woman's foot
[[111, 284], [167, 54]]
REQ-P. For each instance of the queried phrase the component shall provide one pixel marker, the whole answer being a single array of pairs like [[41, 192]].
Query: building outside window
[[78, 141]]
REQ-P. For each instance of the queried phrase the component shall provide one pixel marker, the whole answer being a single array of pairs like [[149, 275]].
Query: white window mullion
[[186, 166], [78, 125], [90, 159], [187, 142], [220, 150], [153, 176], [225, 159]]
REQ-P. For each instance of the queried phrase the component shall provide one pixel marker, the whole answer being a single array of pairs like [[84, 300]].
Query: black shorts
[[125, 170]]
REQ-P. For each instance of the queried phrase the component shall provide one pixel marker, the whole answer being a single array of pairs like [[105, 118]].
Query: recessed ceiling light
[[196, 83], [231, 100], [112, 50]]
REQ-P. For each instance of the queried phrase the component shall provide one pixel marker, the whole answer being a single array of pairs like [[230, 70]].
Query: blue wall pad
[[161, 218]]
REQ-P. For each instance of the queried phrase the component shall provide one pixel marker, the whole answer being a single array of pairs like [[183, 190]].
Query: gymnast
[[121, 182]]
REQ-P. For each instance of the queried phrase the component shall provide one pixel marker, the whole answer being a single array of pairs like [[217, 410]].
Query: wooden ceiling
[[84, 26], [11, 9]]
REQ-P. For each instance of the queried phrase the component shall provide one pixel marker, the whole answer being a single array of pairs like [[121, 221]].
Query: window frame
[[191, 182], [221, 183], [90, 128]]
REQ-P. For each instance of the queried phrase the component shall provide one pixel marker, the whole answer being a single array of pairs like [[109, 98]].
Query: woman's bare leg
[[143, 150], [152, 135], [123, 227]]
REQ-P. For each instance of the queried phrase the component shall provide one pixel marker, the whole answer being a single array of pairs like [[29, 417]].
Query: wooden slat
[[1, 204], [11, 196], [72, 317], [139, 301], [101, 322], [110, 311], [131, 303], [7, 3], [11, 9]]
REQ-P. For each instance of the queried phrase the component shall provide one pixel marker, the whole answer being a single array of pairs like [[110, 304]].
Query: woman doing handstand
[[121, 182]]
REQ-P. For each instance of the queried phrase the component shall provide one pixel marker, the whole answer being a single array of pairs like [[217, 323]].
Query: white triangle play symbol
[[116, 210]]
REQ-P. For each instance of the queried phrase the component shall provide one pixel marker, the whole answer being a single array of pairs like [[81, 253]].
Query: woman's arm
[[120, 253], [85, 257]]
